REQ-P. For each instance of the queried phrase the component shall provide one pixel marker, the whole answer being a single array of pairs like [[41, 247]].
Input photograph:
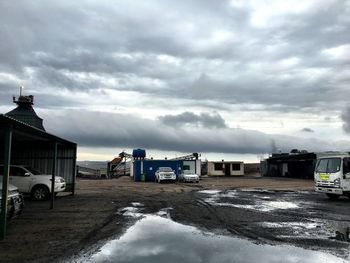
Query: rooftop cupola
[[25, 112]]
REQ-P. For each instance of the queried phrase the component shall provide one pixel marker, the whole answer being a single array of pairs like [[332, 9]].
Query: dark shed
[[24, 141], [299, 165], [34, 147]]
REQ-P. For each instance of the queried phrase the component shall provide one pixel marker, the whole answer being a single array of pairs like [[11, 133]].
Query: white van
[[332, 175]]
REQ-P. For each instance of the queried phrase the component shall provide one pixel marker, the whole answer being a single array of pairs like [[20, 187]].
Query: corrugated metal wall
[[41, 159]]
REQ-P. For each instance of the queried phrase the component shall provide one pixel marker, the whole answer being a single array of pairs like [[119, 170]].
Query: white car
[[189, 177], [165, 174], [15, 201], [33, 182]]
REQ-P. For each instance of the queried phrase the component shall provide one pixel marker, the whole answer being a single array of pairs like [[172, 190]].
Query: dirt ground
[[86, 220]]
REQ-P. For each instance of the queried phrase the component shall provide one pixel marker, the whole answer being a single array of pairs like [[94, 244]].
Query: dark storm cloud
[[98, 129], [201, 120], [346, 119], [214, 50], [307, 130]]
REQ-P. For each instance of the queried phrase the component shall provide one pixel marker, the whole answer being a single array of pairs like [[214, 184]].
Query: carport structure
[[23, 144]]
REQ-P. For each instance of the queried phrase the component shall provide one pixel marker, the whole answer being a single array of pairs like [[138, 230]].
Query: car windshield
[[32, 170], [165, 169], [328, 165]]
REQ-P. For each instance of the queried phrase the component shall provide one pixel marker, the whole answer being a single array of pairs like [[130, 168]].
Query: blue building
[[144, 169]]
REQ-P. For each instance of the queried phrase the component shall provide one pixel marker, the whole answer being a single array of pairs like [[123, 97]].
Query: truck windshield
[[329, 165]]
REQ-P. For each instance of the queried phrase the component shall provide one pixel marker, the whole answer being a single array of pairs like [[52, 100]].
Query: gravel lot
[[265, 210]]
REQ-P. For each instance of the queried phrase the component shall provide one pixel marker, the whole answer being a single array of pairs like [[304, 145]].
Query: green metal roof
[[25, 132], [25, 112]]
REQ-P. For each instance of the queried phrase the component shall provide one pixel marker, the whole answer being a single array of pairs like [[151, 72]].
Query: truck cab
[[332, 176]]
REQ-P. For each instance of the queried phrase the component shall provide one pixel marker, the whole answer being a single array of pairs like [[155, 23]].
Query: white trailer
[[332, 175]]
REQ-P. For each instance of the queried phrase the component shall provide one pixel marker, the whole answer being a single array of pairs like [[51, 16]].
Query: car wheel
[[40, 193], [197, 182], [333, 196]]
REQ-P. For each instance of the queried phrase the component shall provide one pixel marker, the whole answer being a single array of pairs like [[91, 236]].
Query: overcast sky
[[230, 79]]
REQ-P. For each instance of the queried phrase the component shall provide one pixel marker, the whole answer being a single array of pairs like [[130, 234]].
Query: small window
[[236, 167], [218, 166], [186, 167], [346, 165]]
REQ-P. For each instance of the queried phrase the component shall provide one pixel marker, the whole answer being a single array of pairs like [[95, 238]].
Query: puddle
[[130, 211], [255, 202], [158, 239], [137, 204], [318, 229], [210, 192], [165, 212]]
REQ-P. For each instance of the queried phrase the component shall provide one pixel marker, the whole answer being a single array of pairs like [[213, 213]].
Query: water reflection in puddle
[[157, 239], [260, 203]]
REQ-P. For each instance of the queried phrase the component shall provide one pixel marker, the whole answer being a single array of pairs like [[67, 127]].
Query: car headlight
[[337, 182], [59, 180]]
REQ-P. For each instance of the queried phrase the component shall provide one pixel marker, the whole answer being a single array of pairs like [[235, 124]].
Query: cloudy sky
[[230, 79]]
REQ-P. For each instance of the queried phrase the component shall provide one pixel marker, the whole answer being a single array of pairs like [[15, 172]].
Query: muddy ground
[[264, 210]]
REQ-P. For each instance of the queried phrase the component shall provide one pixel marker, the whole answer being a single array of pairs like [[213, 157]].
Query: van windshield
[[329, 165]]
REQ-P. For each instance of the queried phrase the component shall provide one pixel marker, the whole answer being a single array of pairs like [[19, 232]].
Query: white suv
[[31, 181], [165, 174]]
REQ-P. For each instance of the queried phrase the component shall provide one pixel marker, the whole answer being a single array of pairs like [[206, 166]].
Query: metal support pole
[[125, 166], [5, 180], [75, 170], [54, 165]]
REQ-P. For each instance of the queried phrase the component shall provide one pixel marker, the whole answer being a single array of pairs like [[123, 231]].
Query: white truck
[[30, 181], [332, 175]]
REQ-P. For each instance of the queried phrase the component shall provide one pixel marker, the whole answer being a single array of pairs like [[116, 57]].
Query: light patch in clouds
[[338, 53]]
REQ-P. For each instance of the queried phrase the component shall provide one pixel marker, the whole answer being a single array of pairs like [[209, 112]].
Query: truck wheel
[[40, 193], [333, 196]]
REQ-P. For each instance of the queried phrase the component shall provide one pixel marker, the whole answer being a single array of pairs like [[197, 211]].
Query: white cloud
[[341, 52]]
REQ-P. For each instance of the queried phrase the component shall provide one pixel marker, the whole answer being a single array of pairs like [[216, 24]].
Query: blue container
[[139, 153], [149, 167]]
